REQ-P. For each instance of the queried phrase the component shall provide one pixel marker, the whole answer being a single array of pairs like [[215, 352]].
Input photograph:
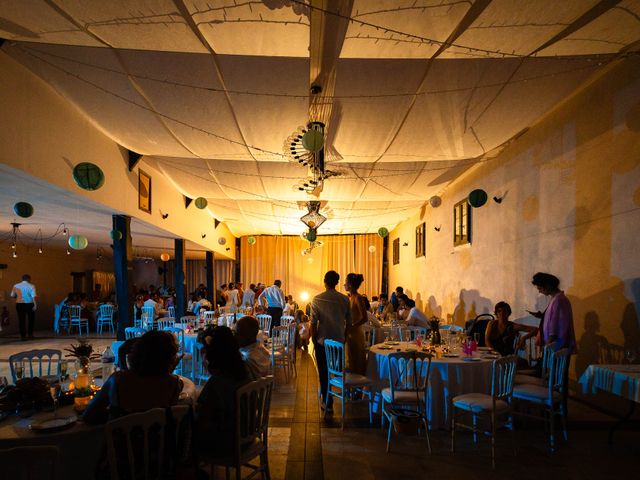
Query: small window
[[396, 251], [461, 223], [421, 242]]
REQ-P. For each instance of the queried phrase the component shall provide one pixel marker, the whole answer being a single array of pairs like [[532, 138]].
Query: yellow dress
[[356, 348]]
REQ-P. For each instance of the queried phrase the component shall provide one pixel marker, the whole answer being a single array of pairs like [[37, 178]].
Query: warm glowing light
[[304, 296]]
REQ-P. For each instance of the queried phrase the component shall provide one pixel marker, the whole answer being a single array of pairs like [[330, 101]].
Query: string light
[[14, 254]]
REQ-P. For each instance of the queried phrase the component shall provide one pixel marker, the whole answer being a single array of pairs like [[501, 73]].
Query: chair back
[[253, 402], [265, 322], [135, 445], [547, 359], [287, 319], [147, 314], [74, 312], [178, 333], [37, 359], [180, 434], [172, 312], [557, 370], [18, 463], [132, 332], [503, 375], [334, 351], [280, 338], [479, 325], [165, 322], [409, 371], [369, 335], [292, 329], [209, 315], [105, 312]]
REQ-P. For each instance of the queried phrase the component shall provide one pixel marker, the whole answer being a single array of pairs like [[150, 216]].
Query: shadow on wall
[[471, 305], [432, 309], [613, 309]]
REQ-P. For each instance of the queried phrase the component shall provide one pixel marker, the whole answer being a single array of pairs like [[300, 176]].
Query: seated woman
[[147, 384], [216, 409], [501, 333], [137, 307]]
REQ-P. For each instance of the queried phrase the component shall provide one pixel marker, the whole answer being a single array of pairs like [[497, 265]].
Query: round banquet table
[[80, 445], [449, 377]]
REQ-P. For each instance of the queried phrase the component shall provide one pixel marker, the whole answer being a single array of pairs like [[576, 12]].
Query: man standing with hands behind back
[[25, 295], [330, 318]]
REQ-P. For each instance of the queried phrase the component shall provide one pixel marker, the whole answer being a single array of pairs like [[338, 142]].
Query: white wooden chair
[[135, 445], [286, 319], [343, 381], [549, 396], [165, 322], [36, 363], [265, 322], [408, 388], [498, 403], [148, 318], [105, 318], [133, 332], [280, 350], [76, 320], [253, 402]]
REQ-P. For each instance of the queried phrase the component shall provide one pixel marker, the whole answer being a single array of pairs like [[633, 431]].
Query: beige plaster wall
[[50, 273], [571, 206], [44, 135]]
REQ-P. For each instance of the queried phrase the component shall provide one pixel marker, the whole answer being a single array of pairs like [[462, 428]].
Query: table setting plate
[[50, 424], [392, 343], [471, 359], [450, 355]]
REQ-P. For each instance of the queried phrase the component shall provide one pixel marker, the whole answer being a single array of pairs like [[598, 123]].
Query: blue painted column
[[122, 257], [180, 278]]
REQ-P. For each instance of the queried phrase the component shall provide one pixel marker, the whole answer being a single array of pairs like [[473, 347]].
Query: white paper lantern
[[372, 249]]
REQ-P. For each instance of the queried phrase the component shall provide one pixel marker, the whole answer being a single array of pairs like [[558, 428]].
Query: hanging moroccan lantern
[[435, 201], [115, 235], [383, 232], [88, 176], [201, 202], [165, 257], [251, 240], [78, 242], [313, 140], [23, 209], [477, 198]]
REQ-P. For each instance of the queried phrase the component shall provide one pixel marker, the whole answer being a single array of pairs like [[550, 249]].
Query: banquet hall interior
[[184, 170]]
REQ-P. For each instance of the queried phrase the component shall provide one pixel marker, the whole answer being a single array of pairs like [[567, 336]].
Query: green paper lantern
[[477, 198], [313, 140], [383, 232], [78, 242], [251, 240], [23, 209], [115, 235], [201, 202], [88, 176], [312, 235]]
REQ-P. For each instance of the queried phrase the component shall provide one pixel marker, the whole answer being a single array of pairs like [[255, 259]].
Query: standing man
[[25, 295], [330, 318], [275, 302], [249, 296]]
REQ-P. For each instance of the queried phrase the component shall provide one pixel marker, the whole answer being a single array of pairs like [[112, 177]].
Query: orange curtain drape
[[280, 258]]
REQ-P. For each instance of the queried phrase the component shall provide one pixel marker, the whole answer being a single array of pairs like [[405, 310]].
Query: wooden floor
[[302, 445]]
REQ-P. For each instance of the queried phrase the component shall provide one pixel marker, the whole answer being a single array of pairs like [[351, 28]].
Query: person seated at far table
[[215, 423], [415, 317], [147, 384], [124, 351], [385, 308], [501, 333], [202, 304], [255, 355], [154, 301]]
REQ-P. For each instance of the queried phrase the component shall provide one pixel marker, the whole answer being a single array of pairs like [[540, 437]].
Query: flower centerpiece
[[83, 385], [83, 352]]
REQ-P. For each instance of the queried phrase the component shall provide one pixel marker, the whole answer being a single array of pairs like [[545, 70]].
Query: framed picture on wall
[[144, 191], [421, 241]]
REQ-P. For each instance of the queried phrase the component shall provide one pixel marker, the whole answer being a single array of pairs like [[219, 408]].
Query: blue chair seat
[[534, 393], [478, 403]]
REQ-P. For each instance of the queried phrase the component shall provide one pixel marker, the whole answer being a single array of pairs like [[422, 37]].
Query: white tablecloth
[[621, 380], [449, 377]]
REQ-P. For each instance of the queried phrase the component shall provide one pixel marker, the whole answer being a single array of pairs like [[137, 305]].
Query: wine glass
[[64, 366], [18, 367], [56, 391]]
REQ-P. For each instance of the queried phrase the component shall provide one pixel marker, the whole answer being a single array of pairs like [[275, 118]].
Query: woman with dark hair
[[147, 384], [216, 409], [356, 349], [501, 334]]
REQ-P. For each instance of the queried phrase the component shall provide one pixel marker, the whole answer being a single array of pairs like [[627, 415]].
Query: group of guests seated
[[144, 380]]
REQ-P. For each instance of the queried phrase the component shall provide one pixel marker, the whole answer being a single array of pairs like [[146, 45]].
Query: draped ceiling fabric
[[415, 92], [281, 258]]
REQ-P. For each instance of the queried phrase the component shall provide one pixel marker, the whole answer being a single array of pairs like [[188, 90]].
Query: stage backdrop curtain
[[281, 258], [369, 264], [107, 282]]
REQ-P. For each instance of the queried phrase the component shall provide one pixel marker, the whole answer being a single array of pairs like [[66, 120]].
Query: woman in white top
[[233, 298]]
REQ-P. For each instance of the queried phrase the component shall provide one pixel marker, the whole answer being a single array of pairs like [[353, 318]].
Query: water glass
[[19, 367], [64, 367]]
